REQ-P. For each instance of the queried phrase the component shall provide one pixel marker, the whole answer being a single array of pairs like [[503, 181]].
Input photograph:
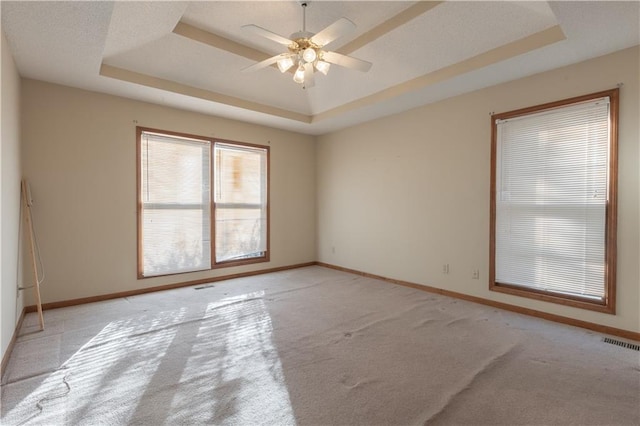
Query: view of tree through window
[[240, 202], [176, 208]]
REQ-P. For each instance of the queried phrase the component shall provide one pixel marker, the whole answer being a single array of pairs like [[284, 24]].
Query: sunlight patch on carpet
[[117, 364], [234, 356]]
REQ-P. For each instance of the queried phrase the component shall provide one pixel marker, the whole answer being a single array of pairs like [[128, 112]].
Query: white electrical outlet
[[445, 268], [476, 274]]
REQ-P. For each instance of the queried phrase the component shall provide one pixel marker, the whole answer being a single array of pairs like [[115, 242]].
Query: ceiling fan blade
[[263, 64], [309, 78], [341, 27], [268, 34], [346, 61]]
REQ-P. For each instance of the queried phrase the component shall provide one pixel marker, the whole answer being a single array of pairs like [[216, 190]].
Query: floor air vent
[[623, 344], [203, 287]]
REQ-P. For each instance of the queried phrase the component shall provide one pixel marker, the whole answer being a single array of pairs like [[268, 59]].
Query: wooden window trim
[[139, 228], [608, 305], [267, 255]]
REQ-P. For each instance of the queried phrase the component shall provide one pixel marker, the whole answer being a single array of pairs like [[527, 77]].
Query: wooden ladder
[[26, 208]]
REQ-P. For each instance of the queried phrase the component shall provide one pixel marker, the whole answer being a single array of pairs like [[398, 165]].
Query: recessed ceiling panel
[[445, 35], [285, 17], [198, 65], [421, 51]]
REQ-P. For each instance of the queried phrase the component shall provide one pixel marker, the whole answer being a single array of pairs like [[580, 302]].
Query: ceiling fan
[[306, 50]]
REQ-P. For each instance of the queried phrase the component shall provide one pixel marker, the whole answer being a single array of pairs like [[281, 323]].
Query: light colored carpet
[[312, 346]]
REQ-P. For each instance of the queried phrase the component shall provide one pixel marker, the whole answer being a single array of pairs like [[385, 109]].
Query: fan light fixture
[[303, 52], [284, 64], [309, 54], [306, 51], [323, 67], [298, 77]]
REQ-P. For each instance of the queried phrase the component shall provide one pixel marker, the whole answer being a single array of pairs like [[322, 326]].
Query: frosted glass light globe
[[309, 55], [298, 77], [323, 67], [284, 64]]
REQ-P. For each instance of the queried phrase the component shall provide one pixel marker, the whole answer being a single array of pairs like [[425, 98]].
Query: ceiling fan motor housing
[[301, 41]]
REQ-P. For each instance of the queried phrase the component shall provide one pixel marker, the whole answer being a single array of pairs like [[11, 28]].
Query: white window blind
[[240, 202], [175, 203], [551, 198]]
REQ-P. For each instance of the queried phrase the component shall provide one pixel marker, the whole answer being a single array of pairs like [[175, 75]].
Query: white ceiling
[[189, 54]]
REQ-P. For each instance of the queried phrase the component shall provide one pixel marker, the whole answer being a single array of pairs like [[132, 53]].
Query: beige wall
[[397, 197], [79, 152], [403, 195], [10, 175]]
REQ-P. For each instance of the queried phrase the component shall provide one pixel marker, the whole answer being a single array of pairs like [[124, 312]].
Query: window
[[553, 202], [240, 202], [202, 203]]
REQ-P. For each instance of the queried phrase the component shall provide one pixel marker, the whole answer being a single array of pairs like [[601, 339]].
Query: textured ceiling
[[190, 54]]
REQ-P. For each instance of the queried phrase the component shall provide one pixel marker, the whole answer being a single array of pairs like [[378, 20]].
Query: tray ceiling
[[190, 54]]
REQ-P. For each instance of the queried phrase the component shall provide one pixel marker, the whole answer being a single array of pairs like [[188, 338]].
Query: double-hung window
[[202, 203], [240, 202], [553, 202]]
